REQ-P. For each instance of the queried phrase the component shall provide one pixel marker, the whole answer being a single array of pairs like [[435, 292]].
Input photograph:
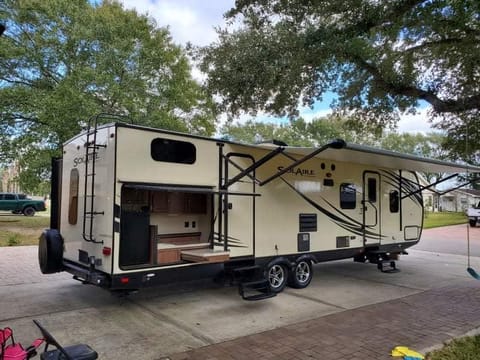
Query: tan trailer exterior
[[143, 206]]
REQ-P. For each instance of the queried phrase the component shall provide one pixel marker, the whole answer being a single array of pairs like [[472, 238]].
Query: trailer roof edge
[[367, 155]]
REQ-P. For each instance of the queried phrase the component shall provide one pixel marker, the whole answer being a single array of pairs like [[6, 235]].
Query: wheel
[[473, 223], [360, 258], [29, 211], [50, 251], [277, 277], [301, 274]]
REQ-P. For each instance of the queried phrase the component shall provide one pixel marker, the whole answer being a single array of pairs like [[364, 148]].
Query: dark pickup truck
[[20, 203]]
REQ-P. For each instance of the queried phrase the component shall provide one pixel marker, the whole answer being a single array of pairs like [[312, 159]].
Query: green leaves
[[63, 61], [381, 58]]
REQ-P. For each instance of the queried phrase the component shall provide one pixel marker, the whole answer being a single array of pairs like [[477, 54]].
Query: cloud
[[194, 21], [415, 123], [308, 114], [188, 20]]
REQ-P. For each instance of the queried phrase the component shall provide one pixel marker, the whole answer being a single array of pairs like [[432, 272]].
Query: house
[[9, 178], [459, 200]]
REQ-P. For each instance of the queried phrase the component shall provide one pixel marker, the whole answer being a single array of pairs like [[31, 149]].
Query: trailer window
[[394, 201], [348, 196], [73, 197], [372, 190], [173, 151]]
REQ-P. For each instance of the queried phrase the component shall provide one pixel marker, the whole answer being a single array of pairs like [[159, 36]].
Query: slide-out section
[[164, 227]]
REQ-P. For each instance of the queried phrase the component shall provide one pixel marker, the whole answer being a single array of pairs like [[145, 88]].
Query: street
[[451, 240], [180, 317]]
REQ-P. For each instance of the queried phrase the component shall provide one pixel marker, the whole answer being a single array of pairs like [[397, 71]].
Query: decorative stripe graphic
[[116, 226], [408, 186], [116, 211], [341, 219], [232, 242]]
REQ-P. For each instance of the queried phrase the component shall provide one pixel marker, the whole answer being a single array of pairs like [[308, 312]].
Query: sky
[[195, 21]]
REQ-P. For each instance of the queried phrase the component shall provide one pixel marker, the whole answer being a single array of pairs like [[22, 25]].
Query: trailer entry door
[[372, 208]]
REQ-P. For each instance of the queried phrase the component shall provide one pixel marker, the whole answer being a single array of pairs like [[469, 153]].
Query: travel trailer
[[135, 206]]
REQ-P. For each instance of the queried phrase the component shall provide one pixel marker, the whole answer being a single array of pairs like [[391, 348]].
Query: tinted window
[[372, 190], [348, 196], [73, 197], [173, 151], [394, 201], [9, 197]]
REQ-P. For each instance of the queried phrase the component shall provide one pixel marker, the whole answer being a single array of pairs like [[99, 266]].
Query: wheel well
[[308, 257], [281, 261]]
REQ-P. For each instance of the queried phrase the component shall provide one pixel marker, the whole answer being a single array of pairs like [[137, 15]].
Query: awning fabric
[[384, 158]]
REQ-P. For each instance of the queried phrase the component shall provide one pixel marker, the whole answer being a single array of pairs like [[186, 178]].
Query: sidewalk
[[419, 321]]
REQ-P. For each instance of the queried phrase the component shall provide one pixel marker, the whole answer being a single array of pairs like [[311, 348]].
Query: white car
[[473, 214]]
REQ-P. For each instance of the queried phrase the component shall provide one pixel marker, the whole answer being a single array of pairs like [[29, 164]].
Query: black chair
[[72, 352]]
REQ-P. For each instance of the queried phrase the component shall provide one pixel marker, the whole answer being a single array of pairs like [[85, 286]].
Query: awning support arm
[[429, 186], [234, 164], [458, 187], [438, 182], [336, 144], [254, 166]]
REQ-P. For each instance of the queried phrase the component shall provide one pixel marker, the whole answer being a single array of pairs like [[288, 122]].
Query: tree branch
[[18, 118], [16, 81], [429, 44], [391, 15], [41, 65], [439, 105]]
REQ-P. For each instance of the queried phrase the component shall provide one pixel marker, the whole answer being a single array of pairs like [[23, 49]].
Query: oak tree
[[382, 58], [62, 61]]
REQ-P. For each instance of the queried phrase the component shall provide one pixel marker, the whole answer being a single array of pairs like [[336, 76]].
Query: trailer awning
[[383, 158]]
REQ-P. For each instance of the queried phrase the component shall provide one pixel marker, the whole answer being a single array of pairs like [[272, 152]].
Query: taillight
[[106, 251], [124, 280]]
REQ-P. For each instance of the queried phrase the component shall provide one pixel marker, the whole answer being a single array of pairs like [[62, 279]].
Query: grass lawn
[[467, 348], [438, 219], [21, 230]]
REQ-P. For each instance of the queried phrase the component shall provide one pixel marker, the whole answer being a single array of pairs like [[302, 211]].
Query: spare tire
[[50, 251]]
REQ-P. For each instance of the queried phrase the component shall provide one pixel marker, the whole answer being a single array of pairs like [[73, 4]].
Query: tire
[[473, 223], [50, 252], [301, 275], [276, 275], [29, 211], [361, 258]]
